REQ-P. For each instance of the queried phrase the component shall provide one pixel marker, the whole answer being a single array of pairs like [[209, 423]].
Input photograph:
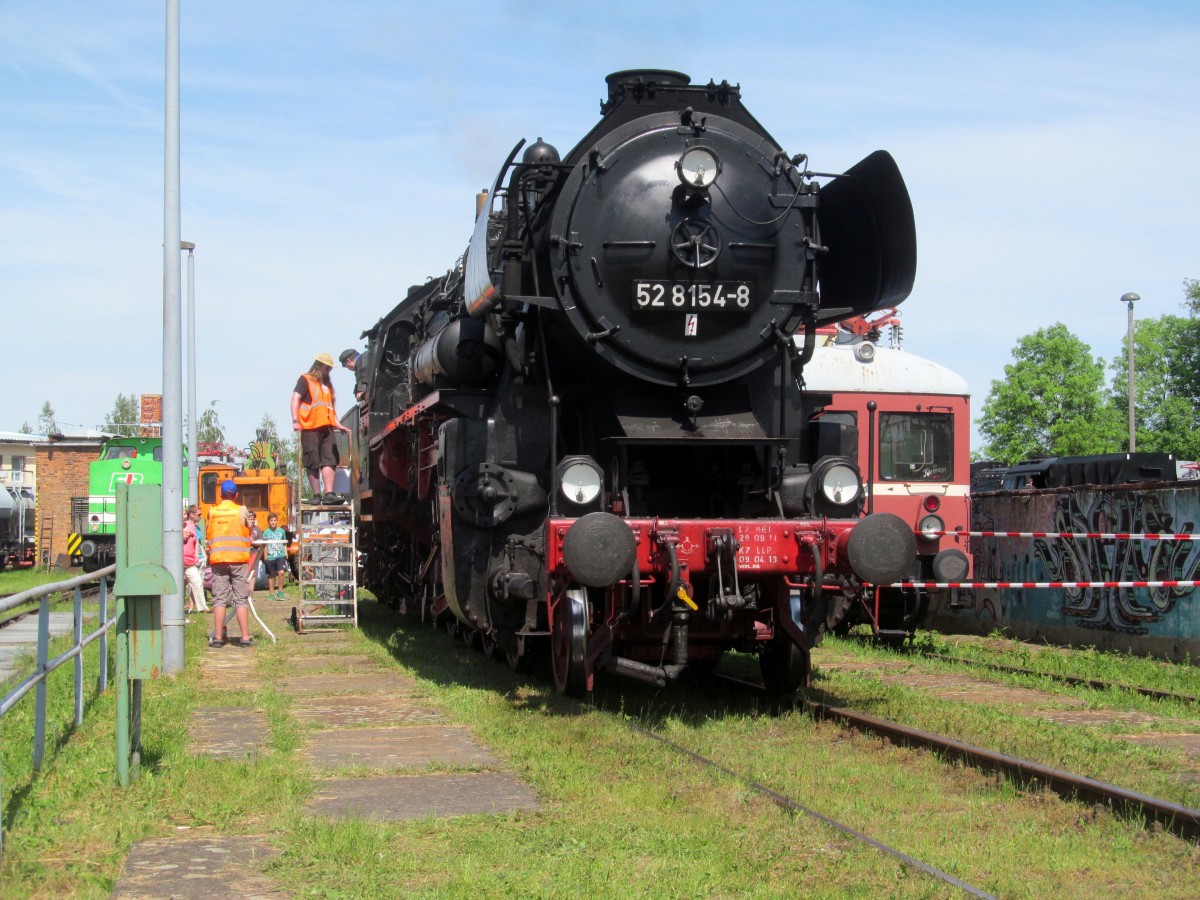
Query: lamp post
[[193, 462], [1129, 300]]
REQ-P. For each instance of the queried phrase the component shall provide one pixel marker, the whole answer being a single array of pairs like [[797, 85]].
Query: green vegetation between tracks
[[621, 816]]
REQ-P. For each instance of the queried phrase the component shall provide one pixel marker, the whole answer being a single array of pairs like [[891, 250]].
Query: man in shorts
[[314, 415], [228, 553]]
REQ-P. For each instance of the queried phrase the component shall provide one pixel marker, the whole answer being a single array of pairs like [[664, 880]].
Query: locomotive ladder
[[327, 556]]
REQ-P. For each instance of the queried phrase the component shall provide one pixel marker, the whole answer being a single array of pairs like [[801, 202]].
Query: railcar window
[[916, 447], [120, 453]]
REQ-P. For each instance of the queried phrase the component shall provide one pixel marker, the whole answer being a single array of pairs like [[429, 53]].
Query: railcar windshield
[[916, 446], [156, 453]]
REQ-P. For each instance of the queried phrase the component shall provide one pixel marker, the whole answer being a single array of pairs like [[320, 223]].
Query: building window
[[18, 464]]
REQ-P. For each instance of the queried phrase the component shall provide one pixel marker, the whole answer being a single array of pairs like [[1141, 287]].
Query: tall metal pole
[[172, 371], [193, 487], [1130, 299]]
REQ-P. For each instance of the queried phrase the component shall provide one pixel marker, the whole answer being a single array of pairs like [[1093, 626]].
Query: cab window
[[916, 446], [208, 488]]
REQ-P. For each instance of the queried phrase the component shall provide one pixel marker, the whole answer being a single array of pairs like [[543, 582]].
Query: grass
[[621, 816], [14, 581], [1098, 751]]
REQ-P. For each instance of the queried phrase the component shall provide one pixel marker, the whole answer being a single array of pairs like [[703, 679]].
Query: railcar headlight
[[839, 484], [580, 479], [125, 464], [698, 167], [931, 528]]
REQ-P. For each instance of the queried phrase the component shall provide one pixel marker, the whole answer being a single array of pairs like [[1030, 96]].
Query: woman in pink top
[[191, 563]]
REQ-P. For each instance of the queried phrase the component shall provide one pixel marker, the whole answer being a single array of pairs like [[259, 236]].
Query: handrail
[[45, 665], [56, 587]]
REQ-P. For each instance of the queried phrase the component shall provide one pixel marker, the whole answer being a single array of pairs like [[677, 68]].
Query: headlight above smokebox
[[833, 487]]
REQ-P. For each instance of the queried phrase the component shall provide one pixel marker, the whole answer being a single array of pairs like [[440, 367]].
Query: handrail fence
[[37, 681]]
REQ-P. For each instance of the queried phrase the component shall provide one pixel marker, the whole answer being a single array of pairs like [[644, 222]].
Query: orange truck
[[261, 489]]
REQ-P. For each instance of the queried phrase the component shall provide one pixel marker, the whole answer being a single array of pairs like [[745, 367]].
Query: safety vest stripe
[[224, 543]]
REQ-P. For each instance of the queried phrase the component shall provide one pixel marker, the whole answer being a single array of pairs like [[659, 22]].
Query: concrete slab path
[[360, 717]]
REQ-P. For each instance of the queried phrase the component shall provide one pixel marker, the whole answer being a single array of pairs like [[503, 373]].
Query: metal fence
[[37, 681]]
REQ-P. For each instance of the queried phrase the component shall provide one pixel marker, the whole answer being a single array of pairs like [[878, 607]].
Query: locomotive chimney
[[480, 202]]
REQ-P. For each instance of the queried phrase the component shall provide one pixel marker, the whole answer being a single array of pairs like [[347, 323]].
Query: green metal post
[[140, 583]]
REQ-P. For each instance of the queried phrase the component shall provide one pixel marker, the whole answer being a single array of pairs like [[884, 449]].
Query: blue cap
[[228, 488]]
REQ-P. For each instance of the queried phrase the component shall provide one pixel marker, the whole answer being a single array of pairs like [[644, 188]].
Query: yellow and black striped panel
[[73, 542]]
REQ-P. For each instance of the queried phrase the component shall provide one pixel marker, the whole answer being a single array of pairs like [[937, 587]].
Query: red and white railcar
[[906, 422]]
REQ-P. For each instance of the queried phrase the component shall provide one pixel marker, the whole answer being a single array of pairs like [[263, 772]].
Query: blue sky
[[331, 154]]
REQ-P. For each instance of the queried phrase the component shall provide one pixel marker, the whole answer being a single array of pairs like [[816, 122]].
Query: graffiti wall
[[1149, 621]]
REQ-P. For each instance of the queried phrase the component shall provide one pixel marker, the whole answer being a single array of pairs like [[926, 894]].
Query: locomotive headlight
[[839, 484], [125, 464], [931, 528], [698, 167], [580, 479]]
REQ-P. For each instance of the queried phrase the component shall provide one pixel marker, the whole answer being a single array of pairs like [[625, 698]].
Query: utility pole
[[172, 371]]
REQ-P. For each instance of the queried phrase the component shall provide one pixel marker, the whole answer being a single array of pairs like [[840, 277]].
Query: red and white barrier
[[1044, 584], [1083, 535]]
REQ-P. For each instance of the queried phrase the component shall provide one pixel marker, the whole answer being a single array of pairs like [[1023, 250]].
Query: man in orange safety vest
[[315, 417], [228, 535]]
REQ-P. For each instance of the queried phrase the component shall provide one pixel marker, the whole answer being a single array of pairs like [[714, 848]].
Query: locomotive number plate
[[719, 296]]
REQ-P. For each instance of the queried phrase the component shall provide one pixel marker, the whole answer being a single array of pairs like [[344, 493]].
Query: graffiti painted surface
[[1152, 621]]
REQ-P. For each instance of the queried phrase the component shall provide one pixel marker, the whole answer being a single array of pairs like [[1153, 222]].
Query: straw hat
[[324, 359]]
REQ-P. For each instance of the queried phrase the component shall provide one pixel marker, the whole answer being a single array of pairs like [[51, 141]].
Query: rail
[[37, 681]]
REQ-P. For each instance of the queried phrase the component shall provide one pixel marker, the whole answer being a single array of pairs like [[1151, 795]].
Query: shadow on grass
[[695, 699]]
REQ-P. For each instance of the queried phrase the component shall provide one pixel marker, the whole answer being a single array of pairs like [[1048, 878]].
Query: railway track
[[1094, 683], [1062, 678], [1180, 820], [792, 805]]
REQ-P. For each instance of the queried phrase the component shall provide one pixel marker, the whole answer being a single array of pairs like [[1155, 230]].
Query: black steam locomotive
[[590, 439]]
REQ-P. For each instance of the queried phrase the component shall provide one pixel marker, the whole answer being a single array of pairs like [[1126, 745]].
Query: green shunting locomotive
[[124, 460]]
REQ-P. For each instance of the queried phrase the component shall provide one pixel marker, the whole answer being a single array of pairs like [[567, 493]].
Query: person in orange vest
[[228, 535], [315, 417]]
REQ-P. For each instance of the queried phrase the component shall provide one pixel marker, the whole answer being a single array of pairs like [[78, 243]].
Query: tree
[[124, 417], [1051, 402], [208, 426], [46, 419], [25, 429], [1166, 353], [268, 432]]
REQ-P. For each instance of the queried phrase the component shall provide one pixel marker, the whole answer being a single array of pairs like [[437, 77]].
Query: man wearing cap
[[357, 363], [315, 417], [228, 552]]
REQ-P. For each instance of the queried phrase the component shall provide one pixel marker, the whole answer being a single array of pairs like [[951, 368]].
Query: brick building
[[150, 415], [62, 467]]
